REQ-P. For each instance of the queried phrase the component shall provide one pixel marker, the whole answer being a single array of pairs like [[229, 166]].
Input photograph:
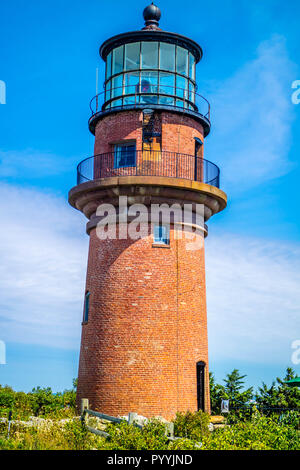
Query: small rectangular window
[[86, 307], [161, 234], [124, 155]]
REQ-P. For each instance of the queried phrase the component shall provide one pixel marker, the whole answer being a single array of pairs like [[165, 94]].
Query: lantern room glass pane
[[166, 87], [132, 56], [192, 95], [192, 67], [181, 87], [149, 55], [117, 60], [149, 82], [131, 87], [182, 61], [192, 92], [149, 86], [107, 90], [117, 86], [167, 83], [167, 57], [108, 65]]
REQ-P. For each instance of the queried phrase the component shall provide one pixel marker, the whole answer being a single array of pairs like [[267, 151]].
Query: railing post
[[131, 417], [83, 408], [170, 430], [84, 405]]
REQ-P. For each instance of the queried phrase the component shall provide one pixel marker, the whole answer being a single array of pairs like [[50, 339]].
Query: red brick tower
[[144, 330]]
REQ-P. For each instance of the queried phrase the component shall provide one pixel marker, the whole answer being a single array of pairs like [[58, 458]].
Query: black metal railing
[[127, 96], [148, 163]]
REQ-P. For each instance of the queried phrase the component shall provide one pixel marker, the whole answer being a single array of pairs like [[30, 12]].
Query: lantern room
[[150, 68], [150, 72]]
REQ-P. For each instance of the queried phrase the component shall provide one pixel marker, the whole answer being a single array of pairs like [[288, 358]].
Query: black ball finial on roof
[[152, 15]]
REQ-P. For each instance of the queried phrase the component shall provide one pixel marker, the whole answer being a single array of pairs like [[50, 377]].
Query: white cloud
[[253, 298], [252, 285], [43, 254], [251, 117], [31, 164]]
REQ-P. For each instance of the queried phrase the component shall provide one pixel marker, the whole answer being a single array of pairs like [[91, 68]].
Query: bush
[[191, 425], [39, 402], [290, 418], [261, 433], [76, 435], [129, 437]]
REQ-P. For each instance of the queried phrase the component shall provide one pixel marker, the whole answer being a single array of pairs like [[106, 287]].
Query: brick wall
[[178, 136], [178, 131], [147, 327]]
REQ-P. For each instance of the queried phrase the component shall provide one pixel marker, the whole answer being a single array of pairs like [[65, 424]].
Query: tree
[[234, 384], [280, 395], [217, 394]]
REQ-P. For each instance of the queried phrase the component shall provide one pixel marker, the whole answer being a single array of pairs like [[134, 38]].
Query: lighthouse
[[144, 344]]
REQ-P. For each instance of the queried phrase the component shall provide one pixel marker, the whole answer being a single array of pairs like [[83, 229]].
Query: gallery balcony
[[148, 163]]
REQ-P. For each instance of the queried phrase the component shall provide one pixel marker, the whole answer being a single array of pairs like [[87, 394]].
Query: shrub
[[76, 435], [290, 418], [191, 425], [261, 433], [129, 437]]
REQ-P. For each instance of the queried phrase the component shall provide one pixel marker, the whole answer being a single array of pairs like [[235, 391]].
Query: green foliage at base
[[261, 433], [191, 425], [39, 402]]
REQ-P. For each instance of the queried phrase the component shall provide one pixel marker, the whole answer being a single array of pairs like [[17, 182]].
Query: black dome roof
[[152, 14]]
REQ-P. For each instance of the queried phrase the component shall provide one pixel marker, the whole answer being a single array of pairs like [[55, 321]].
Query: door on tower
[[199, 162], [201, 386]]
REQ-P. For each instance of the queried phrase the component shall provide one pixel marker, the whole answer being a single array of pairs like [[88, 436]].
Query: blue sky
[[48, 60]]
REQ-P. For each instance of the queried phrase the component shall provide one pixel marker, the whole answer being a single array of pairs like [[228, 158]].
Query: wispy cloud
[[31, 164], [253, 298], [252, 284], [43, 260], [252, 115]]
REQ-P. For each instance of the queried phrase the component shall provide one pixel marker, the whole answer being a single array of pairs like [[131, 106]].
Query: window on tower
[[124, 155], [161, 234], [86, 307]]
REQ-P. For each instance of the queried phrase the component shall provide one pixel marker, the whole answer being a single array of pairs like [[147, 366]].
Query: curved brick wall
[[178, 131], [147, 327]]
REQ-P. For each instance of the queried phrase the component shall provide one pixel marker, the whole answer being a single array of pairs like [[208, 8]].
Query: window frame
[[122, 145], [86, 307], [162, 240]]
